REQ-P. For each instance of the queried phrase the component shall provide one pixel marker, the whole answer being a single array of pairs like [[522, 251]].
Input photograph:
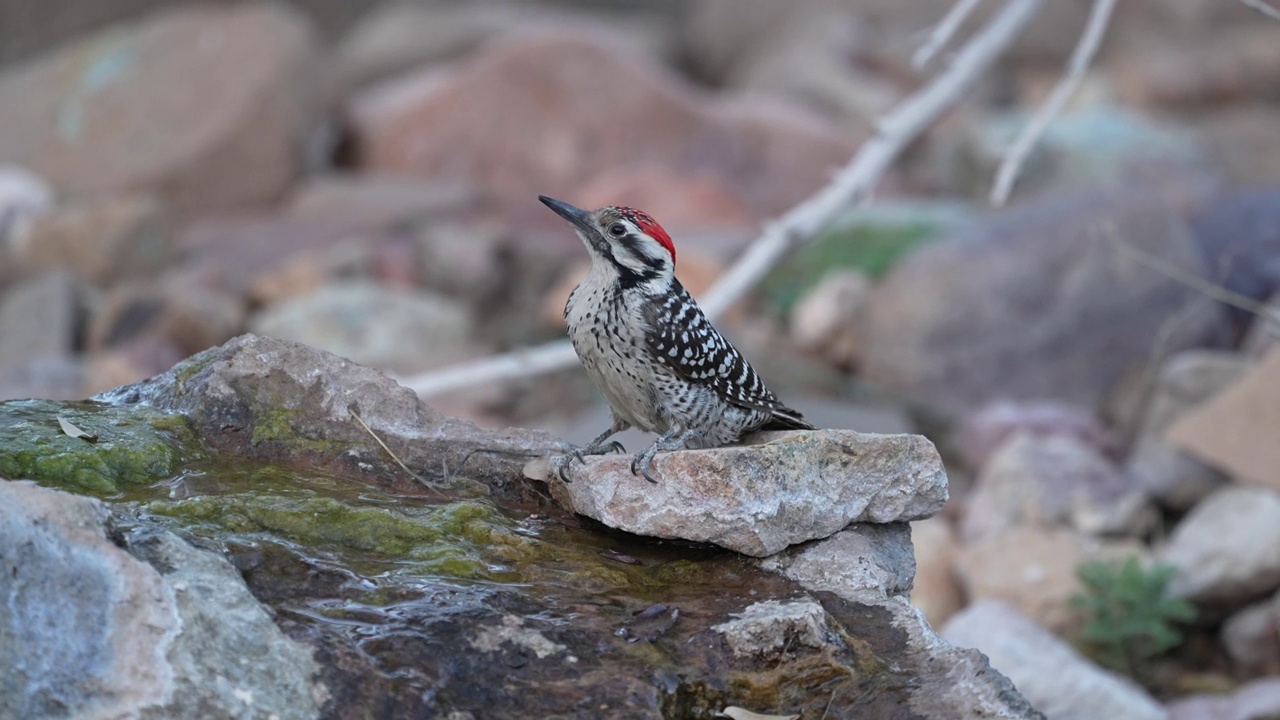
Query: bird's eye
[[617, 229]]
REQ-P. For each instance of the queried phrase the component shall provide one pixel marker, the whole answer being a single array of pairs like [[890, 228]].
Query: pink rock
[[554, 113], [984, 431]]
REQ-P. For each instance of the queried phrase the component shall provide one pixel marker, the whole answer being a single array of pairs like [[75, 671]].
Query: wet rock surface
[[100, 623], [781, 489], [476, 593]]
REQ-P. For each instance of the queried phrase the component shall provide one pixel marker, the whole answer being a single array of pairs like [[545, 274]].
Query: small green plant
[[1130, 617]]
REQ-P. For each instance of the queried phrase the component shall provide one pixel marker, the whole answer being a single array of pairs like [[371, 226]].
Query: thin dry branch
[[1086, 48], [943, 32], [1263, 8], [852, 185]]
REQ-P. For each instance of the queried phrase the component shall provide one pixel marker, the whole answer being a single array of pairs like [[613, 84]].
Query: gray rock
[[39, 319], [156, 629], [272, 399], [827, 319], [395, 330], [1057, 680], [769, 627], [1252, 637], [1227, 549], [870, 567], [865, 557], [1255, 700], [1054, 480], [782, 489], [1041, 302], [1187, 379]]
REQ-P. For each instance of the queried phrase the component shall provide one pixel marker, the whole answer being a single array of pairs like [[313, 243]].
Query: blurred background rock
[[361, 175]]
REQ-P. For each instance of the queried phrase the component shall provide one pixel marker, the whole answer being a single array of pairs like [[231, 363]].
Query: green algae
[[135, 445], [454, 540]]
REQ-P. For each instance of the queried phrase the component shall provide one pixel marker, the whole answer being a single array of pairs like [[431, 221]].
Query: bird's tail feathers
[[784, 418]]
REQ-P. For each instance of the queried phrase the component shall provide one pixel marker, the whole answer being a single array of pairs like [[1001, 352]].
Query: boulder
[[1054, 481], [271, 399], [395, 330], [1053, 676], [95, 625], [205, 106], [779, 490], [551, 112], [1045, 301], [451, 599], [1227, 549]]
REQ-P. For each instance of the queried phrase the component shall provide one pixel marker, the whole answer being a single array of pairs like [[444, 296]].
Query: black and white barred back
[[683, 340]]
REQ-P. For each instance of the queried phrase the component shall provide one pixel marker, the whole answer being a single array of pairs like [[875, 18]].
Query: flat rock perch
[[780, 489]]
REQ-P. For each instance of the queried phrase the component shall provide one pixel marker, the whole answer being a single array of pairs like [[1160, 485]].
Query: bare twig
[[852, 185], [374, 435], [1083, 54], [1263, 8], [1196, 283], [943, 32]]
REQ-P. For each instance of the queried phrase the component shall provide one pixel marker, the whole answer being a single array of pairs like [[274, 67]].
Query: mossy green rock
[[453, 540], [135, 446]]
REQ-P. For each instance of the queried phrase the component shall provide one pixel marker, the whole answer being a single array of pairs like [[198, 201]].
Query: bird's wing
[[685, 341]]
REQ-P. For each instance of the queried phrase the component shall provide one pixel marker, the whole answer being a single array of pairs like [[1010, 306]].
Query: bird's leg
[[596, 446], [673, 439]]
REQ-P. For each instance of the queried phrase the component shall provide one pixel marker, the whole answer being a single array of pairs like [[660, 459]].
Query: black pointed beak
[[580, 219]]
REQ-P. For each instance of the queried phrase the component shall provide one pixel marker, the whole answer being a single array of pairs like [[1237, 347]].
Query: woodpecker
[[650, 350]]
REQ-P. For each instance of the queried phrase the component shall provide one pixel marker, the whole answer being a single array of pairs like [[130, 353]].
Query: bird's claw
[[580, 454], [640, 466]]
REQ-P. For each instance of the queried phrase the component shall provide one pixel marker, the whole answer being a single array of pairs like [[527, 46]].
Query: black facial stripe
[[633, 246]]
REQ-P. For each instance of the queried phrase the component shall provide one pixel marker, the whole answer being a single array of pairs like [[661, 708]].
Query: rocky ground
[[362, 178]]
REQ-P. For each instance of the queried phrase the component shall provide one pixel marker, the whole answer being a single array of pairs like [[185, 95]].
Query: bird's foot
[[669, 441], [579, 454]]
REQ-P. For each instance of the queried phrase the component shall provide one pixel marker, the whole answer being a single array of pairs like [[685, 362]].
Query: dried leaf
[[737, 713], [75, 432], [538, 469]]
